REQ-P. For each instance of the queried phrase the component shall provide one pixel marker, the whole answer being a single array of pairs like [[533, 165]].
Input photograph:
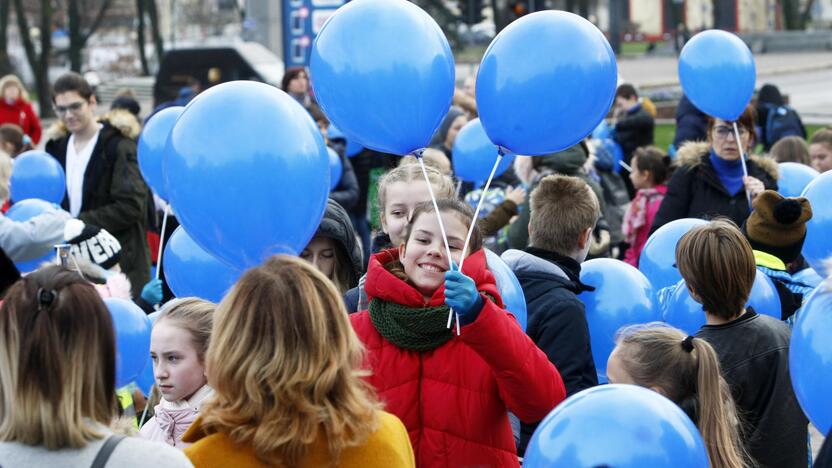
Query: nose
[[160, 371]]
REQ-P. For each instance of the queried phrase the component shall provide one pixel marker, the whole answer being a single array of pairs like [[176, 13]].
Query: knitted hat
[[778, 225], [92, 243]]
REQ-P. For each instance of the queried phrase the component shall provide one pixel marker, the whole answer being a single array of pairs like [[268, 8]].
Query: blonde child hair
[[443, 186], [195, 316]]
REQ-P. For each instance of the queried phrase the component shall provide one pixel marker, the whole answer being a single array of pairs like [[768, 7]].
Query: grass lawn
[[663, 134]]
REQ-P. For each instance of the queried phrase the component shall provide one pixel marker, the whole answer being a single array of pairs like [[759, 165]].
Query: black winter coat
[[695, 190], [556, 318], [691, 123], [634, 130]]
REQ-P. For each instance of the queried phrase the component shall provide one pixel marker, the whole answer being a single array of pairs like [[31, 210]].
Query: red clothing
[[21, 114], [639, 219], [454, 400]]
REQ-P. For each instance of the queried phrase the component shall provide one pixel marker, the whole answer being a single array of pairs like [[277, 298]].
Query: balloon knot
[[417, 153]]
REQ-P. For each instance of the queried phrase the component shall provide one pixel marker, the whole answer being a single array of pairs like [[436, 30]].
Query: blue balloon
[[603, 131], [809, 359], [146, 379], [621, 426], [817, 248], [245, 172], [36, 174], [474, 155], [24, 211], [533, 101], [383, 72], [809, 277], [794, 177], [615, 150], [684, 313], [192, 272], [622, 296], [336, 168], [509, 287], [153, 146], [132, 328], [659, 254], [717, 73]]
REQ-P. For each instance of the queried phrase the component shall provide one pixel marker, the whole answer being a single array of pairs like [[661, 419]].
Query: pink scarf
[[636, 216]]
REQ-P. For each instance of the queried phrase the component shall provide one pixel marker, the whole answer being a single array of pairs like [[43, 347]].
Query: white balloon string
[[162, 241], [742, 160], [147, 405]]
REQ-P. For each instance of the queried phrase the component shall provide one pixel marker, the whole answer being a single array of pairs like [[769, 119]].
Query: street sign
[[302, 21]]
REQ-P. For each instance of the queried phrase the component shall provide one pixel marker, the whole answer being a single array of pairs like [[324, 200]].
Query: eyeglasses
[[723, 132], [74, 108]]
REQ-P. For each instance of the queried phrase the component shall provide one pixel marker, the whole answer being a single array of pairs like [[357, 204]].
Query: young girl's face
[[401, 198], [640, 179], [176, 365], [821, 154], [424, 257], [615, 369]]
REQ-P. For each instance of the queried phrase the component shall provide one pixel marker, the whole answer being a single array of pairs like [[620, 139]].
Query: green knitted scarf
[[411, 328]]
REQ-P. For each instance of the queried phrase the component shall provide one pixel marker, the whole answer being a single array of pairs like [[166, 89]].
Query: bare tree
[[78, 35], [140, 37], [5, 62], [155, 30], [38, 62]]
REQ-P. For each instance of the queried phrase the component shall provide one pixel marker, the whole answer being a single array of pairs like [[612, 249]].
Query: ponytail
[[718, 421]]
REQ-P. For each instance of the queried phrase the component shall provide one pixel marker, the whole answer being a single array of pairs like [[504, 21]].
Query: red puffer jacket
[[21, 114], [455, 399]]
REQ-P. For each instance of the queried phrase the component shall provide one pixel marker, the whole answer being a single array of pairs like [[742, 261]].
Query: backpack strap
[[106, 450]]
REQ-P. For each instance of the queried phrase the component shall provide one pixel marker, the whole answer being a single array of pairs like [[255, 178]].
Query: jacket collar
[[539, 261]]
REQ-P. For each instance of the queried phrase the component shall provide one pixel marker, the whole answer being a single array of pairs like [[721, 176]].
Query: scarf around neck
[[411, 328]]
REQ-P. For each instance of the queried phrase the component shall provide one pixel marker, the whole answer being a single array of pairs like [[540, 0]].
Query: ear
[[402, 250], [658, 390], [383, 220], [584, 238], [93, 101]]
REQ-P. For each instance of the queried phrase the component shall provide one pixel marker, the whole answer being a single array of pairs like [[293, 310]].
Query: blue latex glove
[[152, 292], [462, 296]]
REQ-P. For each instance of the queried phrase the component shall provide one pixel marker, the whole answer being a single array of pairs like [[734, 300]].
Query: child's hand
[[516, 194], [152, 292], [462, 296]]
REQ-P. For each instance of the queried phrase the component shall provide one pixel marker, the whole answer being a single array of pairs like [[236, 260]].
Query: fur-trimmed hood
[[691, 154], [120, 119]]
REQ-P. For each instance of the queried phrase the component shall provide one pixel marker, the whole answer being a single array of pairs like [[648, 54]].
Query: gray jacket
[[34, 238]]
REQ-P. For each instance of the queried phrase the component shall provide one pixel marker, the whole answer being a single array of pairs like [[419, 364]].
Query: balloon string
[[441, 225], [147, 405], [476, 215], [742, 160], [162, 241]]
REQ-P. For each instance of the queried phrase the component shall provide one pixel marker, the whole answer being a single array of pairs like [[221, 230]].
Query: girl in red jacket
[[452, 392], [15, 109]]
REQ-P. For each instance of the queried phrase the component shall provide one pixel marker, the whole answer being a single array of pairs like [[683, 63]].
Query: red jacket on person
[[21, 114], [454, 400]]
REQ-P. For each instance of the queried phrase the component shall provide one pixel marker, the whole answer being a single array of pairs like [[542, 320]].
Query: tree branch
[[96, 23]]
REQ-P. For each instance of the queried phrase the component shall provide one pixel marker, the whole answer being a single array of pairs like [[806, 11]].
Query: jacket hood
[[523, 262], [690, 155], [337, 226], [569, 161], [126, 123]]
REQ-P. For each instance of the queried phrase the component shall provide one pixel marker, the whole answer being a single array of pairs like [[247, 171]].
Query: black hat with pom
[[777, 225]]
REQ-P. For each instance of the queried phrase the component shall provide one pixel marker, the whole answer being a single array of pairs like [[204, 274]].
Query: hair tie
[[687, 344], [45, 298]]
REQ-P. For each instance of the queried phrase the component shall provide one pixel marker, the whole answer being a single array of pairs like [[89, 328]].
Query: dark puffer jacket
[[695, 190]]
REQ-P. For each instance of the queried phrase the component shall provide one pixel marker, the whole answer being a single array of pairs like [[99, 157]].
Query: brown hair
[[13, 134], [443, 186], [57, 361], [290, 75], [823, 136], [626, 91], [194, 315], [791, 149], [562, 208], [747, 120], [72, 81], [653, 160], [655, 356], [285, 366], [718, 266]]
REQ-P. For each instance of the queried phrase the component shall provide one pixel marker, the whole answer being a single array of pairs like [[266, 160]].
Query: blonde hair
[[562, 208], [57, 361], [791, 149], [12, 80], [285, 365], [5, 175], [433, 158], [654, 355], [195, 316], [443, 186]]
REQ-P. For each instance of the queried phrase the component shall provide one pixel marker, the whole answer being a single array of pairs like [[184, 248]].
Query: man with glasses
[[103, 183]]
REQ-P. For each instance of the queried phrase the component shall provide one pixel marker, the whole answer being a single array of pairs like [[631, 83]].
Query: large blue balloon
[[474, 155], [686, 314], [146, 379], [810, 358], [817, 248], [659, 253], [622, 296], [153, 145], [717, 73], [621, 426], [794, 177], [132, 329], [509, 287], [36, 174], [545, 83], [192, 272], [24, 211], [336, 168], [383, 72], [353, 148], [247, 172]]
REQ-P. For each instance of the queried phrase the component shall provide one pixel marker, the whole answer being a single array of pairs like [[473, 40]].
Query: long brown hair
[[657, 356], [285, 365], [57, 361]]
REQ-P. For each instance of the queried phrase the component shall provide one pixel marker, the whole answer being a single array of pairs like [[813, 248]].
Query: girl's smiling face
[[424, 257]]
